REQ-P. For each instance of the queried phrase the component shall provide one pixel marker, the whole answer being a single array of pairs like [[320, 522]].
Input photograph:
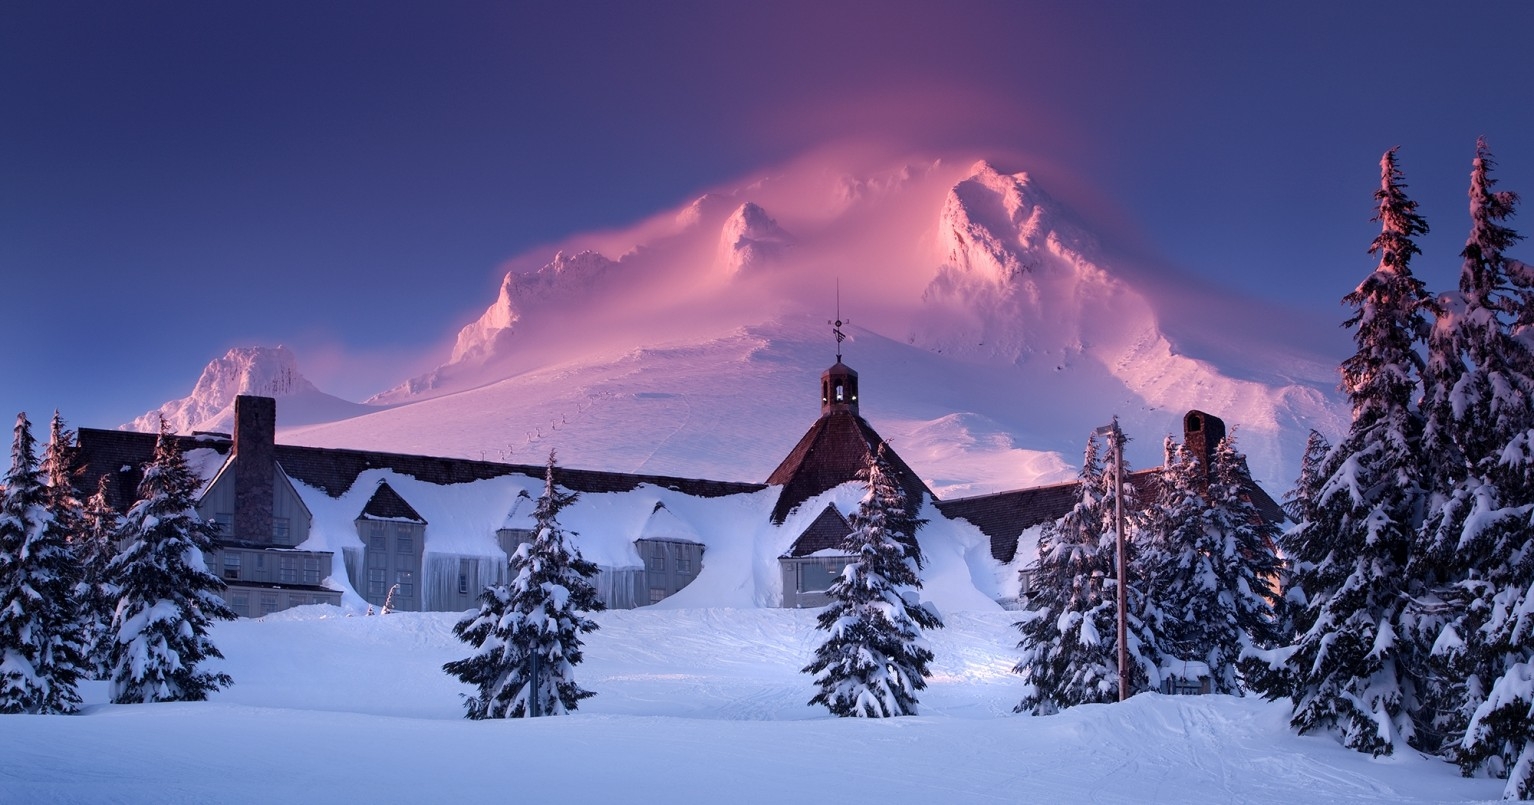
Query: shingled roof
[[123, 454], [1004, 516], [833, 451], [386, 504], [829, 530]]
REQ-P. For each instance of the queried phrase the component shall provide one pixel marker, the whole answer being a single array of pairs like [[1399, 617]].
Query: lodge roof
[[829, 530], [1004, 516], [386, 504], [832, 452], [123, 454]]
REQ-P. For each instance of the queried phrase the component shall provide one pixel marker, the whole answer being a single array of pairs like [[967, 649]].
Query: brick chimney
[[1201, 434], [255, 467]]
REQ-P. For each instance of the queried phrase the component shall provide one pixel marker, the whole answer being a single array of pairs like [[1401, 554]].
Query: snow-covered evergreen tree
[[526, 634], [1300, 502], [41, 656], [1211, 563], [1350, 555], [1478, 537], [875, 658], [168, 599], [1070, 628], [95, 593]]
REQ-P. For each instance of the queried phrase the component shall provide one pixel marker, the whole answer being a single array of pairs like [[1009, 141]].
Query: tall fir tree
[[875, 657], [41, 654], [1300, 502], [526, 634], [1070, 627], [95, 592], [1479, 534], [1211, 561], [1350, 555], [167, 598]]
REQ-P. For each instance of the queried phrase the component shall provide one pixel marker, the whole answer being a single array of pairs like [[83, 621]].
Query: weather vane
[[836, 326]]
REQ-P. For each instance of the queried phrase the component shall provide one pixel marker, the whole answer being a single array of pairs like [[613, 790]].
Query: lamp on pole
[[1116, 441]]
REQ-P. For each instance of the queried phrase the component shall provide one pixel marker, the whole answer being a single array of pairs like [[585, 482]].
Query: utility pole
[[1116, 440]]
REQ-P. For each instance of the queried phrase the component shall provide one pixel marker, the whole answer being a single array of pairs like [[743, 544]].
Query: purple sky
[[346, 178]]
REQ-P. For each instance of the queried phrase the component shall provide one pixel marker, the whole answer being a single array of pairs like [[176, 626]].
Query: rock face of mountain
[[991, 333], [264, 371], [751, 238]]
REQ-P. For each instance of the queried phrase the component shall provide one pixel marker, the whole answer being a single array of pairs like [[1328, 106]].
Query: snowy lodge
[[429, 533]]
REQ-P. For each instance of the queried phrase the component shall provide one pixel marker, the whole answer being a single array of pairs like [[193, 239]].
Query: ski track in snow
[[692, 705]]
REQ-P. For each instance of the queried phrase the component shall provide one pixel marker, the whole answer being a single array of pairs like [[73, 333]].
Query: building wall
[[290, 518], [669, 566], [454, 582], [255, 602], [392, 553], [262, 581]]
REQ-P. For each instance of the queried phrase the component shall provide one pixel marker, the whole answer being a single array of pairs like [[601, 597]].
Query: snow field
[[692, 705]]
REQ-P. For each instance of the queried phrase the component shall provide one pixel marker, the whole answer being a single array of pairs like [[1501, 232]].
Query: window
[[655, 563], [816, 576], [377, 574], [224, 522], [376, 591], [311, 570], [260, 561], [683, 564], [406, 581], [288, 570], [404, 544], [231, 564], [463, 583], [240, 603], [657, 594], [280, 529], [268, 604]]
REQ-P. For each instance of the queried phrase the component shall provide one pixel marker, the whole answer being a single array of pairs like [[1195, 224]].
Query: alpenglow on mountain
[[991, 330]]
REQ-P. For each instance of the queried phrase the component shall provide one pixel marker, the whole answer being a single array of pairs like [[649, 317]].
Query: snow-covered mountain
[[266, 371], [991, 332]]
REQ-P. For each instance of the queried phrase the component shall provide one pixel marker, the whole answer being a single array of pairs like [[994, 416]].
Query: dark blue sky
[[347, 177]]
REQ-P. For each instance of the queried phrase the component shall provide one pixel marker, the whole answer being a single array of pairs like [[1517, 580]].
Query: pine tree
[[1350, 554], [168, 599], [1300, 502], [95, 592], [1212, 562], [875, 659], [1478, 534], [526, 634], [1070, 628], [40, 649]]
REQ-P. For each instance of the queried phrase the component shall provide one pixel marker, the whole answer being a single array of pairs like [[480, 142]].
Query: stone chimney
[[255, 467], [1201, 434]]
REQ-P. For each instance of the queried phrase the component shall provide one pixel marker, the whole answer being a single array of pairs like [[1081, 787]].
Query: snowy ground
[[703, 705]]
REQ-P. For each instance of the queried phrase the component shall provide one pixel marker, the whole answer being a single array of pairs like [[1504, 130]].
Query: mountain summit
[[264, 371], [990, 328]]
